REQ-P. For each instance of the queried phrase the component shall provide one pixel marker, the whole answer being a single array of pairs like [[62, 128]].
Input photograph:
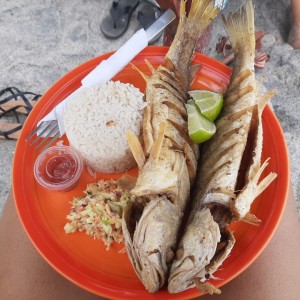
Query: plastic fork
[[105, 71], [44, 131]]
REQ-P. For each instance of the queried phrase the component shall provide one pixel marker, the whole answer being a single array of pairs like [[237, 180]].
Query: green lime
[[200, 128], [209, 103]]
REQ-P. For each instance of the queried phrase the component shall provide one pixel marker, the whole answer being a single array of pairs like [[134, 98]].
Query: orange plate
[[85, 261]]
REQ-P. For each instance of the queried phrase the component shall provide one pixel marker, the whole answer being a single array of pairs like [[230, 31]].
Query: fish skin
[[150, 257], [204, 232], [230, 152], [244, 49], [169, 175], [221, 254], [180, 54], [170, 167], [201, 280], [230, 163]]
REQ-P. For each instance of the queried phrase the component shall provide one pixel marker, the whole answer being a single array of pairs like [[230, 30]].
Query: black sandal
[[116, 23], [10, 131], [147, 14], [14, 103], [23, 100]]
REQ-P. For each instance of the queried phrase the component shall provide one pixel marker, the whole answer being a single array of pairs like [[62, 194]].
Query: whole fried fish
[[167, 158], [229, 168]]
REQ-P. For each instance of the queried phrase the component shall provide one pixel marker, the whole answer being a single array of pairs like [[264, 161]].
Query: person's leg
[[294, 36], [23, 272], [25, 275], [276, 272]]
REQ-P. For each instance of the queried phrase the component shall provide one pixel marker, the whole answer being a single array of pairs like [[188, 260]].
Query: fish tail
[[240, 27], [201, 14], [180, 53], [182, 17]]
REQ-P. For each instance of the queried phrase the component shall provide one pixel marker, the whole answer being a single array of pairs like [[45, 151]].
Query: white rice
[[96, 123]]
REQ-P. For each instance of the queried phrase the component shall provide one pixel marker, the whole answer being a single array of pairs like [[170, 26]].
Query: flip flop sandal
[[116, 23], [148, 13], [13, 99], [10, 131], [14, 102]]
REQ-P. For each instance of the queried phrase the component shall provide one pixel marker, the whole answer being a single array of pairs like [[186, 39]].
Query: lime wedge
[[200, 128], [209, 103]]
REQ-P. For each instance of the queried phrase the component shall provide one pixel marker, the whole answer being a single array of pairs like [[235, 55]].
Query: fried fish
[[168, 160], [229, 168]]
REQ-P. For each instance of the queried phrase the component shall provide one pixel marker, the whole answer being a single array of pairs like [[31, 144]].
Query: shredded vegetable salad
[[99, 212]]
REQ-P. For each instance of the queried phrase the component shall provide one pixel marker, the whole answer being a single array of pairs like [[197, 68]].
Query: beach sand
[[43, 40]]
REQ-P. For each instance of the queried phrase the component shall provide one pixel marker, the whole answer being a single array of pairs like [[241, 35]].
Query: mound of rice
[[96, 123]]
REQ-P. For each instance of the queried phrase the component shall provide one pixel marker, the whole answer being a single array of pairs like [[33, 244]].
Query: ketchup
[[59, 168]]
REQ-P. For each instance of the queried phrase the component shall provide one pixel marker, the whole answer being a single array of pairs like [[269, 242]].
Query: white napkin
[[105, 71]]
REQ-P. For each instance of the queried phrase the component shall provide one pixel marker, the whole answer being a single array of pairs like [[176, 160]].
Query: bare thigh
[[275, 273], [25, 275]]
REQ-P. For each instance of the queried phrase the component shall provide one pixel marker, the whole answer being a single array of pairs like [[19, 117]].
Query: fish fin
[[147, 129], [193, 71], [238, 94], [136, 149], [261, 169], [145, 77], [236, 81], [127, 182], [251, 219], [240, 27], [182, 16], [150, 66], [191, 161], [216, 278], [264, 99], [123, 250], [240, 206], [205, 11], [265, 183], [206, 287], [156, 148]]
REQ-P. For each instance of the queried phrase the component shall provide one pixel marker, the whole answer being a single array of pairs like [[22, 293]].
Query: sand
[[42, 40]]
